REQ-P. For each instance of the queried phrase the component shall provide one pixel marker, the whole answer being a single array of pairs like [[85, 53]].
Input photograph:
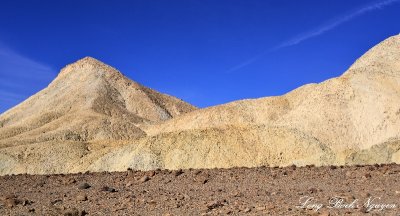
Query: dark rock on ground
[[236, 191]]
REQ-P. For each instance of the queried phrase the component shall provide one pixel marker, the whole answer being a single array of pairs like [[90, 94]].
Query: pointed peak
[[88, 61], [87, 65]]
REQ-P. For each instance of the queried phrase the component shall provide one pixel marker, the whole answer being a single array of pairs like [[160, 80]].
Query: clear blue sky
[[206, 52]]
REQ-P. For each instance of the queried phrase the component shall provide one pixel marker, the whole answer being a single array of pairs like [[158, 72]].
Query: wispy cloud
[[336, 22], [9, 96], [20, 77], [14, 64], [318, 31]]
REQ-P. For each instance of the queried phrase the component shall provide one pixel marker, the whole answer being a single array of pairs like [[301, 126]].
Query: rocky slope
[[88, 102], [352, 119]]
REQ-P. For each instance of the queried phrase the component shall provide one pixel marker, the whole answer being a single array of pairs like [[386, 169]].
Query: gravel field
[[352, 190]]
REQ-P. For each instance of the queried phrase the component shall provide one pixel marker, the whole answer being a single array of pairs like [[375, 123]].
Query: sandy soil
[[236, 191]]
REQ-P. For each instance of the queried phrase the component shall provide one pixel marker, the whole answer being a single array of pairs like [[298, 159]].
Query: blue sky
[[206, 52]]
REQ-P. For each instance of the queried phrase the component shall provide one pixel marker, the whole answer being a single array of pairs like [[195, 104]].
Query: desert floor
[[237, 191]]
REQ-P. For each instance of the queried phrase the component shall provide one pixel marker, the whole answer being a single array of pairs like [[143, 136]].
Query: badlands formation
[[92, 118]]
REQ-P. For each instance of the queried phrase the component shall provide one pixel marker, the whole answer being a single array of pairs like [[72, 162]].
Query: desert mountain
[[352, 119], [75, 124], [88, 101]]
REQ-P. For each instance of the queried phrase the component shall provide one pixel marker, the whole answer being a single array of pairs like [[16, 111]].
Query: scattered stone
[[177, 172], [366, 195], [197, 172], [108, 189], [237, 194], [214, 205], [364, 210], [246, 210], [227, 212], [81, 197], [83, 186], [243, 199], [55, 201], [313, 190], [144, 179], [261, 208], [367, 176], [69, 181], [74, 212], [40, 184], [129, 184], [27, 202]]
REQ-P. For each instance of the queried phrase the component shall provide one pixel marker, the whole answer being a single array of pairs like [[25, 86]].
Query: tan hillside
[[75, 124], [88, 101], [352, 119]]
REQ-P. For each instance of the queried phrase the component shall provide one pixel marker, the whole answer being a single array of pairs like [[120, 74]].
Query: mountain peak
[[87, 67], [89, 60], [382, 58], [88, 101]]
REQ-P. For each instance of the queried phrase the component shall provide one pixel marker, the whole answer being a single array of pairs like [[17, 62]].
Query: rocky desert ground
[[351, 190]]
